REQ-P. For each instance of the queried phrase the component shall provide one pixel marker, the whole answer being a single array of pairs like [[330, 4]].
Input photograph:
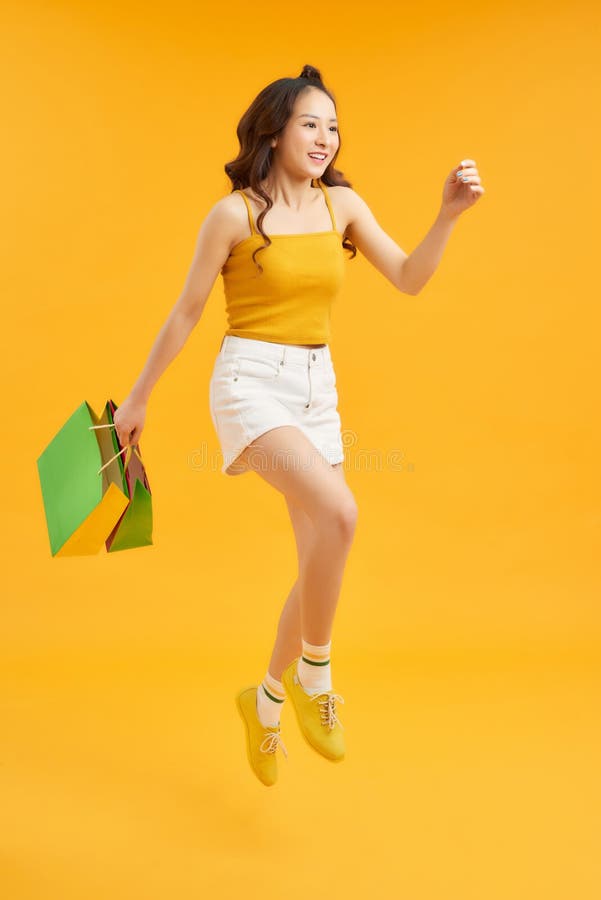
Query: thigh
[[287, 460]]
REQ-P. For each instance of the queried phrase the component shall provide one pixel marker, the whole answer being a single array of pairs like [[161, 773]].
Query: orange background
[[466, 643]]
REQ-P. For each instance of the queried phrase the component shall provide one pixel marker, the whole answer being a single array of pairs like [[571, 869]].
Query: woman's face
[[311, 129]]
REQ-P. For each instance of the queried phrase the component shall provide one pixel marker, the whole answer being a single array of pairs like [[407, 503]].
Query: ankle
[[270, 699], [314, 670]]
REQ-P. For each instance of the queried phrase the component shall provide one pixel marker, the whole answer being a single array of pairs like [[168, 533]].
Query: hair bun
[[311, 72]]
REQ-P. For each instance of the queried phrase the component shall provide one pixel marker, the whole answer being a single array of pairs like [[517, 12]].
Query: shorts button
[[314, 357]]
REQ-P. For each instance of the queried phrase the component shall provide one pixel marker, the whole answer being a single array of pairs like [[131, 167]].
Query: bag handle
[[129, 449]]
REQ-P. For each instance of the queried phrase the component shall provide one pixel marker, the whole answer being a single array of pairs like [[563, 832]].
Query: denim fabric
[[258, 385]]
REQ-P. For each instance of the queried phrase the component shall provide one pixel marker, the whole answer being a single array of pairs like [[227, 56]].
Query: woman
[[273, 396]]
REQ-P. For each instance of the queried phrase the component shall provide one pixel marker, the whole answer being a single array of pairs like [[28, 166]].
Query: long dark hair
[[264, 119]]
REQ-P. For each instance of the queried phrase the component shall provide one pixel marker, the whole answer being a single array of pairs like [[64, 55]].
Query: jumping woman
[[280, 239]]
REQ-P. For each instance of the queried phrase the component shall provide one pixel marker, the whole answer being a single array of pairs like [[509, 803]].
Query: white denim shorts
[[258, 385]]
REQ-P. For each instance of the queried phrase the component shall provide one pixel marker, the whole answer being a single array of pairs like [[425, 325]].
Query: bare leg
[[288, 643], [323, 514], [313, 620], [321, 576]]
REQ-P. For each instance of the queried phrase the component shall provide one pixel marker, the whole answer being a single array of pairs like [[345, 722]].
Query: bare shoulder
[[368, 236], [219, 231], [344, 201], [347, 198], [354, 211], [228, 217], [231, 210]]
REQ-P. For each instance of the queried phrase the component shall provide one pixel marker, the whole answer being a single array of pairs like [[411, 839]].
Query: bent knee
[[340, 516]]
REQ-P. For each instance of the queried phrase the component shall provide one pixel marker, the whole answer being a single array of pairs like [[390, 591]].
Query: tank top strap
[[327, 196], [248, 210]]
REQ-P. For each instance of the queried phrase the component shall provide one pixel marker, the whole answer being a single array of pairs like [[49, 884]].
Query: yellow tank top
[[290, 301]]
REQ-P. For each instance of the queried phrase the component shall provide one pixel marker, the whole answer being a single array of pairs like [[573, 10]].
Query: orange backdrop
[[466, 644]]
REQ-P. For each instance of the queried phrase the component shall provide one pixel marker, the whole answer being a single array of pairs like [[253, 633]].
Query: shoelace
[[271, 741], [327, 709]]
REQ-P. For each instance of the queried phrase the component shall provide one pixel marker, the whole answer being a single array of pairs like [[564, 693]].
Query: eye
[[332, 127]]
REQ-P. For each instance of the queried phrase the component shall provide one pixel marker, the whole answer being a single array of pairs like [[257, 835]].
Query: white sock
[[270, 697], [314, 671]]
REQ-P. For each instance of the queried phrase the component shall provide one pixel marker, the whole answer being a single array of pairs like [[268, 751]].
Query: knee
[[348, 516], [342, 518]]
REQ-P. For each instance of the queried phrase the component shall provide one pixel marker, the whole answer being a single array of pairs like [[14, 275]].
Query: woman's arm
[[410, 272], [213, 244], [422, 262], [371, 240]]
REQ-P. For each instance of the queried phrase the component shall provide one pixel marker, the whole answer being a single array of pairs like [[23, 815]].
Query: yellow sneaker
[[261, 741], [316, 716]]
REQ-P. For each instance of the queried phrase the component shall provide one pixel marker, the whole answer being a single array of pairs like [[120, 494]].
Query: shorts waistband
[[285, 353]]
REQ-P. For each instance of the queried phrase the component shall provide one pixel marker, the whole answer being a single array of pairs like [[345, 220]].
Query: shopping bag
[[87, 488], [134, 528]]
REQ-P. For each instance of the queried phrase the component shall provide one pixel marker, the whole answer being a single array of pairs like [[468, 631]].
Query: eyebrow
[[313, 117]]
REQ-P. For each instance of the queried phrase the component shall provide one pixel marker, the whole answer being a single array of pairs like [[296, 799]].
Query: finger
[[465, 168]]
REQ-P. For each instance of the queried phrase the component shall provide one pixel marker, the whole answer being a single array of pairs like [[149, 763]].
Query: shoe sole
[[247, 733], [285, 680]]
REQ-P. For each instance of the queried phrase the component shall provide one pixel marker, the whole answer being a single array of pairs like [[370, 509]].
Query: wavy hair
[[265, 119]]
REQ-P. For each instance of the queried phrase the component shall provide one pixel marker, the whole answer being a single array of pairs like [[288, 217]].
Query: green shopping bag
[[91, 495], [134, 528]]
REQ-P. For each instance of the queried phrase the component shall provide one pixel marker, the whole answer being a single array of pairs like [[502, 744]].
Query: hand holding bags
[[91, 495]]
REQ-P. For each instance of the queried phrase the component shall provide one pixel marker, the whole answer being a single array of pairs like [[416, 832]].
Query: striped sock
[[270, 697], [314, 672]]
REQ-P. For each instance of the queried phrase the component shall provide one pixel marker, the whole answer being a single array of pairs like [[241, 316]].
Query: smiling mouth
[[318, 157]]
